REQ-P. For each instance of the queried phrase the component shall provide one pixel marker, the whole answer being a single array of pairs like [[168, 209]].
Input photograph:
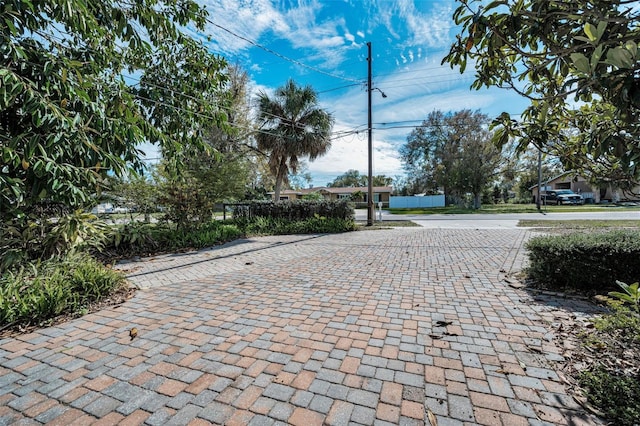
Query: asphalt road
[[495, 221]]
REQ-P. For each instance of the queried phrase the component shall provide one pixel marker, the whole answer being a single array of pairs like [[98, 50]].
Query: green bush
[[137, 239], [313, 225], [34, 294], [585, 260], [295, 210], [31, 238]]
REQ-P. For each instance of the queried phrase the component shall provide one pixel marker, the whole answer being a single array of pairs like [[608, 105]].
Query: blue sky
[[409, 40]]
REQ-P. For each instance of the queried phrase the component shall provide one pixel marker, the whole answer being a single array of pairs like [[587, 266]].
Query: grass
[[514, 208], [387, 224], [581, 224]]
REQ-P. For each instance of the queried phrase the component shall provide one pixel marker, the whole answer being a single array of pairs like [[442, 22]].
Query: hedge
[[295, 210], [585, 260]]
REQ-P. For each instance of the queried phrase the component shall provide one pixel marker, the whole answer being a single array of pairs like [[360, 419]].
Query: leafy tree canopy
[[555, 52], [353, 178], [83, 83], [452, 152]]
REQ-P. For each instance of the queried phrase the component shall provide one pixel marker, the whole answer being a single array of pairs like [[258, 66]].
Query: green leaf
[[581, 63], [595, 57], [619, 57], [632, 47], [591, 31]]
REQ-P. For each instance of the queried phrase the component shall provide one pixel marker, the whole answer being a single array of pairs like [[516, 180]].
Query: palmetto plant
[[292, 126]]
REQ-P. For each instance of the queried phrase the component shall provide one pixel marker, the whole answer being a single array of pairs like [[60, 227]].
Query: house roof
[[352, 189], [552, 179]]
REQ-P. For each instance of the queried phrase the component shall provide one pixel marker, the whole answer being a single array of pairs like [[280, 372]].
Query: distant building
[[580, 185]]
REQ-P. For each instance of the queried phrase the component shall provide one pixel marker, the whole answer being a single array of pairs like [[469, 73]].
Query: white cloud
[[247, 18], [349, 37]]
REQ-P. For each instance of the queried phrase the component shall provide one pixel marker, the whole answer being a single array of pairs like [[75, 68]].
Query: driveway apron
[[375, 327]]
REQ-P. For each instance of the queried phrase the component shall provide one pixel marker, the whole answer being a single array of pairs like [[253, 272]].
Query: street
[[496, 221]]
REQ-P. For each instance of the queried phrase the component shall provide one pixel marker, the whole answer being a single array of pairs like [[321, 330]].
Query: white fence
[[416, 202]]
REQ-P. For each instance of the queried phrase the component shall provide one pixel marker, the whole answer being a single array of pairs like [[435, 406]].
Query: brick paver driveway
[[372, 327]]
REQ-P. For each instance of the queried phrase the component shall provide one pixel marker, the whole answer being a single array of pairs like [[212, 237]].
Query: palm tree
[[292, 126]]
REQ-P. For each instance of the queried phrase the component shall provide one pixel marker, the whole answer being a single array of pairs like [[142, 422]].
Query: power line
[[280, 55]]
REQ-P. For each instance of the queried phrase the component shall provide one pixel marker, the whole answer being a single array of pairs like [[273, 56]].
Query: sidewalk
[[366, 328]]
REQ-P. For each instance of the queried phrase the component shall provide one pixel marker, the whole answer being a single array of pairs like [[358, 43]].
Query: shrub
[[585, 260], [35, 238], [38, 292], [137, 239], [295, 210], [277, 226]]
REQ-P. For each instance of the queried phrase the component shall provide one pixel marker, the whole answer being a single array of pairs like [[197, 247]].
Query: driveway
[[372, 327]]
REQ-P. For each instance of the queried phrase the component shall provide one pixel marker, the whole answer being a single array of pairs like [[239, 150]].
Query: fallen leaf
[[515, 285], [432, 418], [534, 349]]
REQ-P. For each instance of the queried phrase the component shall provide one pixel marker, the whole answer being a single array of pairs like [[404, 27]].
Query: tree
[[452, 152], [549, 50], [70, 109], [353, 178], [139, 193], [221, 173], [382, 180], [427, 155], [292, 126]]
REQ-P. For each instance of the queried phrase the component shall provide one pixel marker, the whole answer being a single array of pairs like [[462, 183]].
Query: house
[[580, 185], [380, 194]]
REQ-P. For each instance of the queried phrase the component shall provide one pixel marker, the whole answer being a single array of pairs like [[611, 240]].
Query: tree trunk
[[477, 201], [280, 178], [276, 195]]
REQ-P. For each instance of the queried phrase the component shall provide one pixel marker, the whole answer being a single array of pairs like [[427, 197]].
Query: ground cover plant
[[34, 294], [605, 367]]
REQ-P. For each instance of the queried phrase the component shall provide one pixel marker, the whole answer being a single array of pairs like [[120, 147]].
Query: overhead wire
[[280, 55], [336, 135]]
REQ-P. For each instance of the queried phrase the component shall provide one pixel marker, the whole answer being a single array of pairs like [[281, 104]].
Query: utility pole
[[370, 207]]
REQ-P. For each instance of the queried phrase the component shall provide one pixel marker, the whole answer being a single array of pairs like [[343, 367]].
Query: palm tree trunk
[[280, 178], [276, 195]]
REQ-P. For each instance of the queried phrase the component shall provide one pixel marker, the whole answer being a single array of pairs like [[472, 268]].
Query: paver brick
[[299, 330]]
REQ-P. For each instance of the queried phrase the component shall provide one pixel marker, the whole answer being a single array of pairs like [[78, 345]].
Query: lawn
[[581, 224], [515, 208]]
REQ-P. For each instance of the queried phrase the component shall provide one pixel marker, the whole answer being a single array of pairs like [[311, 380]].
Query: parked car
[[562, 196]]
